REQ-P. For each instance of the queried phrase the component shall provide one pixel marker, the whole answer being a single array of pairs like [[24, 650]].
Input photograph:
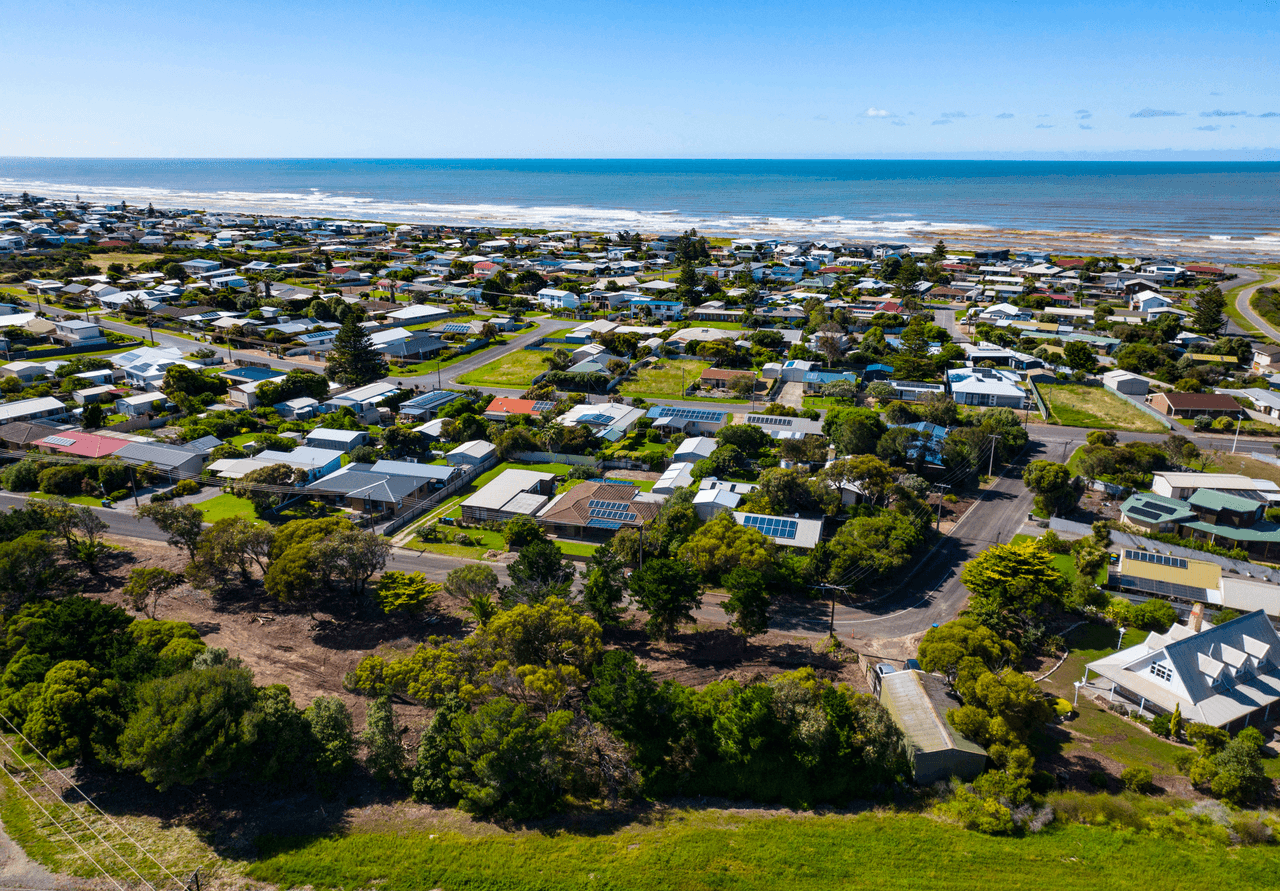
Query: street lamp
[[1120, 642], [1075, 699], [1239, 423]]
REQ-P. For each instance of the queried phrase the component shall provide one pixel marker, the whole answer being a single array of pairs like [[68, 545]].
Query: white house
[[1225, 675], [553, 298]]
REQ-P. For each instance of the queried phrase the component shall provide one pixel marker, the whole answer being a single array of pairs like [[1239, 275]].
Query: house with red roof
[[80, 444]]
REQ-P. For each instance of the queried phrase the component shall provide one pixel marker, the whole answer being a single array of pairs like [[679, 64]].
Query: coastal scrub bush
[[1136, 778]]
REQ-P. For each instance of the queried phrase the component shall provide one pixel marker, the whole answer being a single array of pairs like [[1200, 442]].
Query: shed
[[918, 703], [471, 454], [1125, 383]]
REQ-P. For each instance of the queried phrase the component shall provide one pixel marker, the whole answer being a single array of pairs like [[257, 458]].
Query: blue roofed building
[[425, 407], [690, 421]]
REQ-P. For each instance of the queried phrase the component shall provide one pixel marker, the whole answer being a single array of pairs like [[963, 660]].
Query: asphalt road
[[1243, 297]]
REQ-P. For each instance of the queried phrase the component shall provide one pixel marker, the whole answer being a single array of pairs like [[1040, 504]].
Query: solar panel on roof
[[603, 524], [770, 420], [775, 527], [59, 440], [596, 503], [1144, 513], [543, 406], [624, 515], [596, 419]]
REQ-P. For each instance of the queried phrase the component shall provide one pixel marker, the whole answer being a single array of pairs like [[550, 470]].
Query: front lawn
[[1076, 405], [1066, 564], [665, 379], [515, 370], [226, 505]]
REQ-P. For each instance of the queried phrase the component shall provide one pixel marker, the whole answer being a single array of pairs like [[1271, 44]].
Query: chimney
[[1196, 617]]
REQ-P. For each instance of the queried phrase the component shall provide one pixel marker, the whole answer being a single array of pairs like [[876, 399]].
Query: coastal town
[[999, 523]]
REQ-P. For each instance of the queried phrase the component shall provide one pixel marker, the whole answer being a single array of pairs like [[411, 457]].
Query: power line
[[52, 820], [83, 821], [93, 804]]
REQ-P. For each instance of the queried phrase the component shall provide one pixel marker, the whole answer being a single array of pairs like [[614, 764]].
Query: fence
[[433, 500], [55, 352], [555, 458], [1142, 405], [1040, 403]]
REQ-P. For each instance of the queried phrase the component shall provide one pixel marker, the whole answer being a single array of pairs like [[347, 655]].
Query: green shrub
[[186, 487], [1062, 707], [1159, 726], [24, 476], [64, 479], [1136, 778], [119, 495]]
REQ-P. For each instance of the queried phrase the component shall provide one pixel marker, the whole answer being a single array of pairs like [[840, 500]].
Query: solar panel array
[[769, 420], [1161, 559], [457, 328], [774, 527], [599, 504], [597, 523], [1145, 512], [688, 414], [622, 515], [604, 420], [59, 440], [543, 406]]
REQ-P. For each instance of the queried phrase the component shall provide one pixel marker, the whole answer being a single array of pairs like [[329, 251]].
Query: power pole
[[939, 525], [991, 464]]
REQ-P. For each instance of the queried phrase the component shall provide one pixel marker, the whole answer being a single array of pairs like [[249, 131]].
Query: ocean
[[1181, 210]]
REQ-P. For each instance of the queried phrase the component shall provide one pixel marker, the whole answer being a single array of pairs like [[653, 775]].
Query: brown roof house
[[1193, 405], [594, 511]]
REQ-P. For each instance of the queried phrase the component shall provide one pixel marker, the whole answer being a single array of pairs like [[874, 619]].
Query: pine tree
[[605, 585], [353, 360], [1208, 317]]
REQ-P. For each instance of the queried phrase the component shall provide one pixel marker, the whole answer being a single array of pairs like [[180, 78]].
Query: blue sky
[[376, 78]]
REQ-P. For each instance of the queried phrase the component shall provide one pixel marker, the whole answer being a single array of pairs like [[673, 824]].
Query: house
[[376, 493], [695, 448], [986, 386], [791, 532], [514, 492], [427, 405], [1185, 582], [1172, 484], [608, 420], [690, 421], [177, 462], [919, 704], [1221, 518], [1126, 383], [301, 409], [595, 510], [24, 371], [913, 391], [79, 443], [780, 427], [198, 267], [32, 409], [20, 436], [311, 462], [503, 407], [678, 476], [1146, 301], [725, 378], [77, 332], [1004, 312], [362, 400], [93, 395], [338, 440], [141, 404], [1266, 357], [1224, 675], [475, 453], [1194, 405], [552, 298], [709, 502]]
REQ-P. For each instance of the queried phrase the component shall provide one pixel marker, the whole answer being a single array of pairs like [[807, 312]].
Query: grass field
[[515, 370], [226, 505], [87, 500], [665, 380], [717, 850], [1075, 405]]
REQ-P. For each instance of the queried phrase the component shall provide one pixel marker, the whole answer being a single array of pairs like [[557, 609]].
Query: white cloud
[[954, 114], [1209, 127], [1219, 113], [898, 123], [1155, 113], [1085, 127], [1004, 115], [874, 112], [943, 121]]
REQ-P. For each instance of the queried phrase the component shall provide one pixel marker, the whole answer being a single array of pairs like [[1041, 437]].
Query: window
[[1162, 671]]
